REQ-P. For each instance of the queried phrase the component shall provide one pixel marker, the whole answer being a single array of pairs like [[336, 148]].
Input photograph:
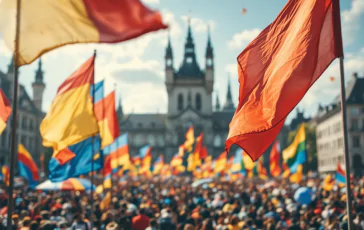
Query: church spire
[[217, 105], [169, 54], [209, 49], [39, 72], [229, 105], [120, 112]]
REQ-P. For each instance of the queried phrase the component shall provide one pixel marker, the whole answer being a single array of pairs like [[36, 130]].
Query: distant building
[[190, 102], [329, 135], [30, 114], [298, 120]]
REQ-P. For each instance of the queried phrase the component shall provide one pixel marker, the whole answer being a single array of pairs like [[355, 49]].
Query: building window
[[354, 111], [198, 101], [24, 123], [354, 124], [160, 141], [356, 141], [189, 60], [217, 141], [151, 140], [138, 139], [31, 125], [23, 140], [180, 102], [140, 125]]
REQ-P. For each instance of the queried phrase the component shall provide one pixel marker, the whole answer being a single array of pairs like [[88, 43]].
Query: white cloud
[[154, 2], [242, 39], [232, 69], [200, 25], [351, 21]]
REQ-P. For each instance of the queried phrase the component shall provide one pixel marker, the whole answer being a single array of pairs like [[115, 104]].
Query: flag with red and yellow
[[5, 110], [48, 24]]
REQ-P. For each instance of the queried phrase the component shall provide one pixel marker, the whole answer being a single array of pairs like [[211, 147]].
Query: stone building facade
[[30, 114], [329, 133]]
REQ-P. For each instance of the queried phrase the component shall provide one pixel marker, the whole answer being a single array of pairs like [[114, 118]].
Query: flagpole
[[92, 149], [14, 116], [346, 147]]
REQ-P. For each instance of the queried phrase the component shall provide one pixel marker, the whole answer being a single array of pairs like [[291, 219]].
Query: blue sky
[[136, 68]]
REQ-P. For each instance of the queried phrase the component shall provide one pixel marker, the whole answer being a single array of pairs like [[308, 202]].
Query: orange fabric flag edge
[[278, 67]]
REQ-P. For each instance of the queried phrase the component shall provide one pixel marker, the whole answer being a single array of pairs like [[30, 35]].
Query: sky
[[135, 69]]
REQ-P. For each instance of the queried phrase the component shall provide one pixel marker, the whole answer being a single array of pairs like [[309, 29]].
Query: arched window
[[217, 141], [160, 140], [138, 140], [151, 140], [180, 101], [198, 101]]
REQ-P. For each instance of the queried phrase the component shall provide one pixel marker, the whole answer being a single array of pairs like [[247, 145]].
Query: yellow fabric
[[45, 25], [2, 126], [297, 176], [69, 120], [291, 150], [248, 163], [124, 159], [77, 186], [99, 189], [106, 136], [107, 183], [104, 204], [190, 139], [220, 165], [328, 183]]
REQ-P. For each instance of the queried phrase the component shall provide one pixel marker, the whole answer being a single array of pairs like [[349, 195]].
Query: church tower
[[209, 65], [229, 104], [38, 86]]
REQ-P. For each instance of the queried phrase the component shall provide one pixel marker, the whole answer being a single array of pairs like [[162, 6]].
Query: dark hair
[[153, 222]]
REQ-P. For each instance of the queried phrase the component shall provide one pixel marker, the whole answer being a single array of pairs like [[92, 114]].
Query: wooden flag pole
[[92, 149], [346, 147], [13, 152]]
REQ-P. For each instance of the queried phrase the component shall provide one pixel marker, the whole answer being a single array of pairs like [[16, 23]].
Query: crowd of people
[[176, 203]]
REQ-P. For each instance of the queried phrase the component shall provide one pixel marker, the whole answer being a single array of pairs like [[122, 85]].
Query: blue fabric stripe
[[99, 93], [118, 143], [27, 174], [143, 151], [340, 178], [300, 159], [80, 164]]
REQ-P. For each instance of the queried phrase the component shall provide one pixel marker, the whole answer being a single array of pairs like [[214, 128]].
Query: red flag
[[278, 68], [274, 159]]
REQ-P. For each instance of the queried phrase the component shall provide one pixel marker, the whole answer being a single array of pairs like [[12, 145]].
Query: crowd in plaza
[[176, 203]]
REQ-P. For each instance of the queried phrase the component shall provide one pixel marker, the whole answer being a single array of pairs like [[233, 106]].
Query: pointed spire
[[169, 52], [217, 105], [119, 110], [11, 65], [208, 37], [39, 72], [229, 105]]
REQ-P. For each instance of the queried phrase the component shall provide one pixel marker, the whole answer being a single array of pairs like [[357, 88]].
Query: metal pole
[[13, 152], [346, 147], [92, 149]]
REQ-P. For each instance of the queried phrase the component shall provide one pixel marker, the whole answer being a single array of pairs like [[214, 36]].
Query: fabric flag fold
[[190, 139], [47, 25], [107, 119], [27, 167], [76, 160], [295, 154], [71, 118], [158, 165], [340, 175], [279, 66], [274, 160], [120, 149], [5, 173], [5, 110]]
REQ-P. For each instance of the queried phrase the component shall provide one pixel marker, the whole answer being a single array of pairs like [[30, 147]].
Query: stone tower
[[38, 87], [189, 90]]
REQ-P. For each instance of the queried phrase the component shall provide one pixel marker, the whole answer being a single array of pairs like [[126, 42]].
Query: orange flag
[[5, 110], [275, 169], [278, 68]]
